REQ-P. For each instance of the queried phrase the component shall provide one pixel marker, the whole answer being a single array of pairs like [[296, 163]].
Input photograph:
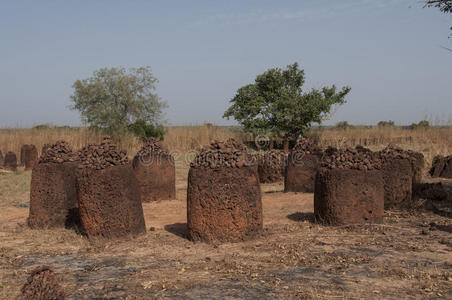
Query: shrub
[[145, 130]]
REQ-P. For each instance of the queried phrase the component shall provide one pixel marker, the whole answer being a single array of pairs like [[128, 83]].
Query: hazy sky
[[388, 51]]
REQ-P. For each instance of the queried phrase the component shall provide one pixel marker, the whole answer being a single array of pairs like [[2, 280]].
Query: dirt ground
[[407, 257]]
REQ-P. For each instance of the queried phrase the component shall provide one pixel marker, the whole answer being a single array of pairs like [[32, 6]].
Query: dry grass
[[430, 141], [183, 139], [178, 138]]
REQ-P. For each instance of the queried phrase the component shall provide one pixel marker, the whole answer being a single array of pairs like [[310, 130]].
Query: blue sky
[[388, 51]]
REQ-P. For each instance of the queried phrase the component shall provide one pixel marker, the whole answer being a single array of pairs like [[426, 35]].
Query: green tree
[[145, 130], [386, 124], [276, 103], [113, 98], [343, 125]]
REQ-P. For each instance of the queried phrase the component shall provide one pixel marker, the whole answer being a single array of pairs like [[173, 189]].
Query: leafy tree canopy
[[276, 103], [113, 98]]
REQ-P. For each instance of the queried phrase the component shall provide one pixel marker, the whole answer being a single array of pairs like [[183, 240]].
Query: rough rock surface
[[224, 197], [441, 167], [155, 171], [218, 154], [271, 166], [53, 195], [60, 152], [109, 202], [28, 156], [10, 161], [103, 155], [108, 193], [306, 146], [349, 196], [302, 165], [398, 173], [42, 284], [349, 158]]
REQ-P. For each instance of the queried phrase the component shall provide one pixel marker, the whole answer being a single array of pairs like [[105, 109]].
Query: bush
[[343, 125], [145, 130], [386, 123], [422, 124]]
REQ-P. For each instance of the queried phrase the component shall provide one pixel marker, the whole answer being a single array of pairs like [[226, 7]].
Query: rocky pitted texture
[[306, 146], [103, 155], [441, 167], [349, 196], [53, 194], [42, 284], [152, 146], [302, 165], [271, 166], [108, 192], [60, 152], [223, 201], [398, 173], [218, 154], [28, 156], [10, 161], [352, 159], [155, 171], [109, 201]]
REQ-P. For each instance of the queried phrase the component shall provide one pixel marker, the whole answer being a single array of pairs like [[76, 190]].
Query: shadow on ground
[[301, 217], [179, 229]]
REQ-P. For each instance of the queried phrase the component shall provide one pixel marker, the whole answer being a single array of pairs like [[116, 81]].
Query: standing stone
[[302, 166], [28, 156], [53, 194], [108, 193], [1, 159], [399, 173], [447, 171], [155, 171], [349, 196], [349, 188], [271, 166], [10, 161], [224, 198], [441, 167]]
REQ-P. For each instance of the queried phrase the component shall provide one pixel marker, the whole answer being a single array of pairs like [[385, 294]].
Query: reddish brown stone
[[42, 284], [447, 171], [398, 179], [28, 156], [53, 196], [223, 204], [300, 172], [44, 148], [156, 175], [271, 166], [442, 167], [10, 161], [109, 201], [349, 196]]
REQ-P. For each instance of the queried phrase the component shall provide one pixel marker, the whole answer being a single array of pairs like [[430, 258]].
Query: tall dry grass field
[[178, 138], [182, 139], [429, 141]]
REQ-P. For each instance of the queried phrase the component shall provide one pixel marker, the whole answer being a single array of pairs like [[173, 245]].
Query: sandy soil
[[409, 256]]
